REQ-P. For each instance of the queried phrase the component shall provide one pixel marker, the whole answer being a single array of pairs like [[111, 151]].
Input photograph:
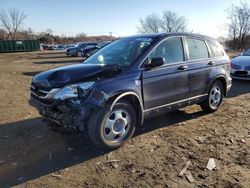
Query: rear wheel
[[79, 54], [214, 98], [110, 129]]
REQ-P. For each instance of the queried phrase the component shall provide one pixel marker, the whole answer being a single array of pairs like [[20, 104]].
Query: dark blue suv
[[131, 79]]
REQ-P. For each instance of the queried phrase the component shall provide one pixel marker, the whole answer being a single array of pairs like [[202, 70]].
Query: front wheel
[[110, 129], [214, 98]]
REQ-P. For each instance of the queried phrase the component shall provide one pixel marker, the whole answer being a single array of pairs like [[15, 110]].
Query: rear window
[[197, 49], [214, 50]]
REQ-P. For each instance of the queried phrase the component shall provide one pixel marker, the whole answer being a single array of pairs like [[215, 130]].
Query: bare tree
[[12, 21], [172, 22], [150, 24], [239, 23], [3, 34]]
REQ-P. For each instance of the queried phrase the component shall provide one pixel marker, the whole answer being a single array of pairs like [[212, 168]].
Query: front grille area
[[38, 92], [39, 95], [240, 73]]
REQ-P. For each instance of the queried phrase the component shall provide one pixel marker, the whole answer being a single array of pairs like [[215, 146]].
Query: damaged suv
[[131, 79]]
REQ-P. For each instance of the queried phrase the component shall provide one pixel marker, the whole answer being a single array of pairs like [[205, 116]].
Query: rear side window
[[197, 49], [214, 50], [171, 50]]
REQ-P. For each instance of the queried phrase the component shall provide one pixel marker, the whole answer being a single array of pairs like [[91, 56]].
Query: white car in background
[[240, 66]]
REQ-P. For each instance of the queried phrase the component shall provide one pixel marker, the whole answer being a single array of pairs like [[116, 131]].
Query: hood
[[241, 60], [59, 77]]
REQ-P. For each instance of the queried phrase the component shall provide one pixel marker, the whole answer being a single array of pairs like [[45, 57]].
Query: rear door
[[199, 65], [168, 83]]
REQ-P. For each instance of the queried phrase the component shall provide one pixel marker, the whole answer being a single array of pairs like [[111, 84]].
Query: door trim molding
[[169, 104]]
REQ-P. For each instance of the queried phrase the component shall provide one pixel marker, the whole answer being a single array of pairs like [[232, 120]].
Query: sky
[[100, 17]]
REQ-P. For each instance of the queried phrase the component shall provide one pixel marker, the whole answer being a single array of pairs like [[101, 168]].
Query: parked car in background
[[89, 50], [77, 50], [70, 45], [240, 66], [131, 79], [60, 47], [44, 47]]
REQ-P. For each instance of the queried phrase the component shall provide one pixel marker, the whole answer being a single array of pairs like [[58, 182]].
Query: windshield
[[247, 53], [81, 44], [122, 52]]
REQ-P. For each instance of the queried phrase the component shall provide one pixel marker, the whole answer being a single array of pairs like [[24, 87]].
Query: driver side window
[[171, 50]]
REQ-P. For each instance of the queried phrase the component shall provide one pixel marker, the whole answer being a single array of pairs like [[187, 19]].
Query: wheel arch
[[222, 79], [133, 99]]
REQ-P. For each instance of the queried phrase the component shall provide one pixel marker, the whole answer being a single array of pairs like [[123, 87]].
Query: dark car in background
[[78, 49], [132, 79], [240, 66], [89, 50]]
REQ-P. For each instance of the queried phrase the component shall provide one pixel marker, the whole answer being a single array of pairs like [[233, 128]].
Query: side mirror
[[154, 62]]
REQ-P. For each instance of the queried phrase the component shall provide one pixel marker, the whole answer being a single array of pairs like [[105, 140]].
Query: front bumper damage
[[72, 115]]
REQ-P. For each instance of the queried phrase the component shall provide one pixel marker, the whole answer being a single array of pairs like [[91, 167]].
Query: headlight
[[74, 91]]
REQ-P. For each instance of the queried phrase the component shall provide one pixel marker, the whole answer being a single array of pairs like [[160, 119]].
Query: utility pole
[[110, 34]]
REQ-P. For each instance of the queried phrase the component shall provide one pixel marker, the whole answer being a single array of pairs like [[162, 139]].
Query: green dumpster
[[19, 45]]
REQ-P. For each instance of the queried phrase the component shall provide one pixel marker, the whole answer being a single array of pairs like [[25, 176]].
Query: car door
[[199, 66], [168, 83]]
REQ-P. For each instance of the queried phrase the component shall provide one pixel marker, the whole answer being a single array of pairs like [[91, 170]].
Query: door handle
[[211, 63], [183, 67]]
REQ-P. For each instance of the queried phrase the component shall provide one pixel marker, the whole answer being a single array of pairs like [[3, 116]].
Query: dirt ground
[[32, 155]]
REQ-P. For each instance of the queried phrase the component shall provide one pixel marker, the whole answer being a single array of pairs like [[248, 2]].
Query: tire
[[87, 54], [110, 129], [214, 98], [78, 53]]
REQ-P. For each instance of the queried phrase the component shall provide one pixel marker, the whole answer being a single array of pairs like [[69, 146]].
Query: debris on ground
[[189, 176], [130, 146], [236, 178], [155, 136], [200, 140], [20, 178], [109, 156], [182, 172], [243, 141], [130, 168], [113, 161], [5, 136], [115, 165], [232, 141], [56, 175], [211, 164], [39, 137], [70, 149]]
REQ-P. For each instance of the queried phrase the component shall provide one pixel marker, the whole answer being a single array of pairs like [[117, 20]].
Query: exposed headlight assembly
[[74, 91]]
